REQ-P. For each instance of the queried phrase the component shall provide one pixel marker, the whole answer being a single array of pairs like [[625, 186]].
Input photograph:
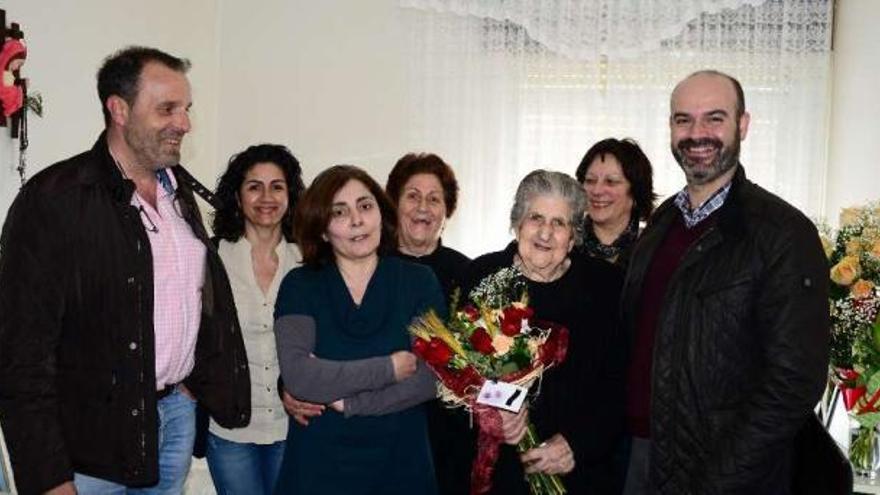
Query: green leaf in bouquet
[[873, 382], [875, 332], [520, 354], [837, 291], [868, 420], [508, 367]]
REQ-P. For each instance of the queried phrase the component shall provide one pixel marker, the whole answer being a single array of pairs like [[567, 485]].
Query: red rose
[[511, 327], [511, 321], [420, 347], [528, 312], [482, 342], [438, 353], [472, 313]]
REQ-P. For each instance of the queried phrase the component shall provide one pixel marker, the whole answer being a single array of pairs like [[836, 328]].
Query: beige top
[[256, 316]]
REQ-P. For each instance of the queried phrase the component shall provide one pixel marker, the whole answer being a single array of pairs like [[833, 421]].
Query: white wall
[[325, 78], [854, 164], [67, 42]]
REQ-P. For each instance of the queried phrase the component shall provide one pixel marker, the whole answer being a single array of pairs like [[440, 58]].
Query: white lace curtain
[[503, 87]]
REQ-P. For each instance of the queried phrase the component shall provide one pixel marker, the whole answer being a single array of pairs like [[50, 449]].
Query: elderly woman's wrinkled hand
[[552, 457], [513, 426]]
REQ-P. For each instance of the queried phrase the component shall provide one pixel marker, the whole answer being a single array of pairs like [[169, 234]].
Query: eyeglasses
[[148, 222]]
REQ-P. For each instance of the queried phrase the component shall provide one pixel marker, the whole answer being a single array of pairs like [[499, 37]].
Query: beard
[[698, 173], [151, 148]]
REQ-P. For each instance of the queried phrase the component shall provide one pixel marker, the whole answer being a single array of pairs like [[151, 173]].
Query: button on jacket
[[77, 363]]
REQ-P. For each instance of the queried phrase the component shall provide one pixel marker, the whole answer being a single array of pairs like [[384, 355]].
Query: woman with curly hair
[[254, 225]]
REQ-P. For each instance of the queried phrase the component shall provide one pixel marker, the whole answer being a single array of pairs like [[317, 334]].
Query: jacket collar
[[102, 169], [731, 217], [730, 224]]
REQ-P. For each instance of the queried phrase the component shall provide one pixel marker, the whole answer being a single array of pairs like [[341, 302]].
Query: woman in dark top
[[618, 180], [579, 410], [341, 327], [425, 192]]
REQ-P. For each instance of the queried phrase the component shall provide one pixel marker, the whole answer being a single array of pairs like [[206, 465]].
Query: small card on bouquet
[[502, 395]]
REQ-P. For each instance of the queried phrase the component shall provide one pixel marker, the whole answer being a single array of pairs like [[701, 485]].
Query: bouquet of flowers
[[495, 340], [855, 337]]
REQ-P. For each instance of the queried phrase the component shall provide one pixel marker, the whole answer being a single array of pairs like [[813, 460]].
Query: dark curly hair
[[121, 72], [228, 221], [423, 163], [636, 168], [313, 213]]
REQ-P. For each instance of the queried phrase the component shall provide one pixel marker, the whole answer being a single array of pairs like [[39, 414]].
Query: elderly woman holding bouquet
[[578, 412], [341, 326]]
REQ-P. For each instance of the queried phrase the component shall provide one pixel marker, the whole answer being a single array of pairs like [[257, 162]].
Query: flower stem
[[860, 452], [539, 483]]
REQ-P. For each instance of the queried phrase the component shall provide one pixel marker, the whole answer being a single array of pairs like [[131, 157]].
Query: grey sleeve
[[420, 387], [323, 380]]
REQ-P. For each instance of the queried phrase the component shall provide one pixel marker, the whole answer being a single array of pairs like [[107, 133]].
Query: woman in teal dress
[[341, 329]]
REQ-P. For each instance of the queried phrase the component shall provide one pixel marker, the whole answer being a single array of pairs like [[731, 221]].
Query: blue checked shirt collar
[[694, 216]]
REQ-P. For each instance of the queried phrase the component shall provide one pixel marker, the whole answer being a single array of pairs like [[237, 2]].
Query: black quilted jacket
[[741, 346]]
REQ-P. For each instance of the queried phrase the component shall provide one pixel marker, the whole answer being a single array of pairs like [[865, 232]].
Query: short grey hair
[[549, 183]]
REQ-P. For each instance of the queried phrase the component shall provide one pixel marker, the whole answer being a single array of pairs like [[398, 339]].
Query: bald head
[[707, 122], [735, 88]]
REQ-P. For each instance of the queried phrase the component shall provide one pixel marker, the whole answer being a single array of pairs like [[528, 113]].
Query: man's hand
[[552, 457], [67, 488], [404, 365], [513, 426], [300, 410]]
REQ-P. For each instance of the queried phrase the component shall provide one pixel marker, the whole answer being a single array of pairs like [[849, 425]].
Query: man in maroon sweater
[[726, 307]]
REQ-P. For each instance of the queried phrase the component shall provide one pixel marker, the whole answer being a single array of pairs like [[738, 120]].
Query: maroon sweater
[[666, 259]]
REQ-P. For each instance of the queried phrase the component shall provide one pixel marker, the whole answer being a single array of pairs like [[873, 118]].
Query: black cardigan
[[583, 399]]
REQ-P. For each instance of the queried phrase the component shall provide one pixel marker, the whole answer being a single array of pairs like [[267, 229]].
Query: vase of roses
[[854, 257]]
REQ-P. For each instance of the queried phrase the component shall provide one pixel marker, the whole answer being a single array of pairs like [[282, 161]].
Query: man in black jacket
[[726, 304], [115, 311]]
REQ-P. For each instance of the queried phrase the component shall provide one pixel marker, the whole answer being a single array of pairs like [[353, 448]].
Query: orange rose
[[502, 344], [862, 289], [846, 271]]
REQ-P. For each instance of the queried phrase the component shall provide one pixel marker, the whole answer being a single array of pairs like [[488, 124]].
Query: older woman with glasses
[[579, 410], [618, 179]]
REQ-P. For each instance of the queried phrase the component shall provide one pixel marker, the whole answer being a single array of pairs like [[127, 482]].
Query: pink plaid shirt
[[178, 275]]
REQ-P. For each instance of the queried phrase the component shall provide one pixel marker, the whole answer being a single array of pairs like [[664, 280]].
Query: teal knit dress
[[335, 454]]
